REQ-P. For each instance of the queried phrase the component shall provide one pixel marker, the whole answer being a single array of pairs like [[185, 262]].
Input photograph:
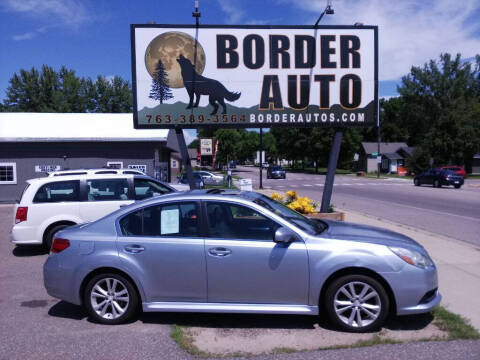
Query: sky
[[92, 37]]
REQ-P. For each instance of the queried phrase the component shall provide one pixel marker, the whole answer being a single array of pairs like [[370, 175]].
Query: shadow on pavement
[[260, 321], [232, 320], [63, 309], [410, 322], [29, 250]]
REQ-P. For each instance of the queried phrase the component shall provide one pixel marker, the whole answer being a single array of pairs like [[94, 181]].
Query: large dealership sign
[[254, 76]]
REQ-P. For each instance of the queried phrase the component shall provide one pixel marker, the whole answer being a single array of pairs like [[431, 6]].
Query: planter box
[[337, 215]]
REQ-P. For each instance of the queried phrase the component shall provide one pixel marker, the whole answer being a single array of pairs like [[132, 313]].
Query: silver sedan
[[238, 252]]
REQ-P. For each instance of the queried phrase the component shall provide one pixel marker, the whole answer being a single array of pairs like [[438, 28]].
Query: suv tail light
[[59, 245], [21, 214]]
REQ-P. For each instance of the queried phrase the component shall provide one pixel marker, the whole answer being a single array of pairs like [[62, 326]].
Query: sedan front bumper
[[421, 308], [415, 289]]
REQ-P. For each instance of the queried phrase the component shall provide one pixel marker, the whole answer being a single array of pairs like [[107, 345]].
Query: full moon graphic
[[168, 47]]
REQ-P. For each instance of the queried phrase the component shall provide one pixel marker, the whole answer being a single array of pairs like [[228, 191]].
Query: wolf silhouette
[[204, 86]]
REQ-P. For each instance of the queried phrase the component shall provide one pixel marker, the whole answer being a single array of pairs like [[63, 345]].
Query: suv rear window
[[58, 191], [107, 189]]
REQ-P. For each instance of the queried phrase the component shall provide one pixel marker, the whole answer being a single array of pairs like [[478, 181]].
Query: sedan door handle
[[219, 251], [134, 249]]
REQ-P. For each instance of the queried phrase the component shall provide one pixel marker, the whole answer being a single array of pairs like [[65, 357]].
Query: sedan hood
[[365, 233]]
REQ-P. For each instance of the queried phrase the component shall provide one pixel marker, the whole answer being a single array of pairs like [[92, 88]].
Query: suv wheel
[[51, 235], [416, 182], [437, 184], [357, 303], [110, 299], [457, 186]]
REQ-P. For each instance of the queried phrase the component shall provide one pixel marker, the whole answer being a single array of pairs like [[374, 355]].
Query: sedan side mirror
[[284, 235]]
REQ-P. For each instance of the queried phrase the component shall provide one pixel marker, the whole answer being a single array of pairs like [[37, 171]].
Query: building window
[[115, 164], [8, 173]]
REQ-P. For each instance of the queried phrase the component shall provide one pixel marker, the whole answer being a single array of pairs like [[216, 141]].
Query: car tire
[[51, 235], [416, 182], [457, 186], [437, 184], [118, 295], [352, 314]]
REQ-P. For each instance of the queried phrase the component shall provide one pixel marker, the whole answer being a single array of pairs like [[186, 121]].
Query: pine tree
[[160, 88]]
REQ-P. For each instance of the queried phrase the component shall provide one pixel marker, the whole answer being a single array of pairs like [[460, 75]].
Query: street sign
[[254, 76], [206, 147]]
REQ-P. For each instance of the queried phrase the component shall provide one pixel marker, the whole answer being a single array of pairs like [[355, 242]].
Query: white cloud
[[234, 12], [411, 32], [69, 12], [109, 78], [25, 36]]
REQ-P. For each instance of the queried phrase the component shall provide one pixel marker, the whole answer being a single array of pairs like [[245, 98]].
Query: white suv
[[52, 203]]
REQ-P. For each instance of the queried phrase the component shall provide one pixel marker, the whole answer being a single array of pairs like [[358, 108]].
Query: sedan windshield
[[310, 226]]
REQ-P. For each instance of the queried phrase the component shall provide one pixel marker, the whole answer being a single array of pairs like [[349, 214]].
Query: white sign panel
[[142, 168], [206, 146], [169, 223], [254, 76], [47, 168]]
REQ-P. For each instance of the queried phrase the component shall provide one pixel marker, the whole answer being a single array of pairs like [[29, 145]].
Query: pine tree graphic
[[160, 88]]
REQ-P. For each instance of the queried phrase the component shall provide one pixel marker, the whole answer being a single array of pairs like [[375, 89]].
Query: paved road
[[448, 211], [35, 326]]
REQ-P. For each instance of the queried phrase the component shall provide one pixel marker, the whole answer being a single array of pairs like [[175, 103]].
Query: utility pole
[[261, 163], [379, 139], [337, 141], [179, 132]]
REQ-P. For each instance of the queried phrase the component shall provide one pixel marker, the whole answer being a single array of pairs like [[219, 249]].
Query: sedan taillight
[[21, 214], [59, 245]]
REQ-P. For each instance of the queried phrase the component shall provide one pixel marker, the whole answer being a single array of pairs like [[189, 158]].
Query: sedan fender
[[326, 261]]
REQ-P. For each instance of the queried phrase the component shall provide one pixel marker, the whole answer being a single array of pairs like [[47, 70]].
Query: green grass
[[473, 177], [181, 336], [457, 327]]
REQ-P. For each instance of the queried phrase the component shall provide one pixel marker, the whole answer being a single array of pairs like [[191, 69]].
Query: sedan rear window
[[166, 220]]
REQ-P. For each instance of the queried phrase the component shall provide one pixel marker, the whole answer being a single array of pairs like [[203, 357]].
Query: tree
[[195, 144], [228, 144], [160, 88], [439, 107], [63, 91]]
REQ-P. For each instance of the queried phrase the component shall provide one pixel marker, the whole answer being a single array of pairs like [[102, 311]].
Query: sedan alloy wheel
[[110, 298], [357, 303]]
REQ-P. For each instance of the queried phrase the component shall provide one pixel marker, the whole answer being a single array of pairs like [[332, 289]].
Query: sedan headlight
[[412, 257]]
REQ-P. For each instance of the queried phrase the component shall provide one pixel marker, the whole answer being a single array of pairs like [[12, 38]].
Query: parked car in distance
[[456, 169], [199, 183], [276, 172], [239, 252], [438, 178], [52, 203], [402, 171], [265, 165], [210, 178]]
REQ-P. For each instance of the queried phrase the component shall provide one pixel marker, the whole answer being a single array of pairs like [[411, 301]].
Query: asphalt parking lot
[[34, 325]]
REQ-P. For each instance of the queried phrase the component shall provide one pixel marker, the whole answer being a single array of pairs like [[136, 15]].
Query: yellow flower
[[276, 197], [303, 205], [291, 196]]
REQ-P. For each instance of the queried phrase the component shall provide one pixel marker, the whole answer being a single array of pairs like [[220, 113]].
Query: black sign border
[[136, 125]]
